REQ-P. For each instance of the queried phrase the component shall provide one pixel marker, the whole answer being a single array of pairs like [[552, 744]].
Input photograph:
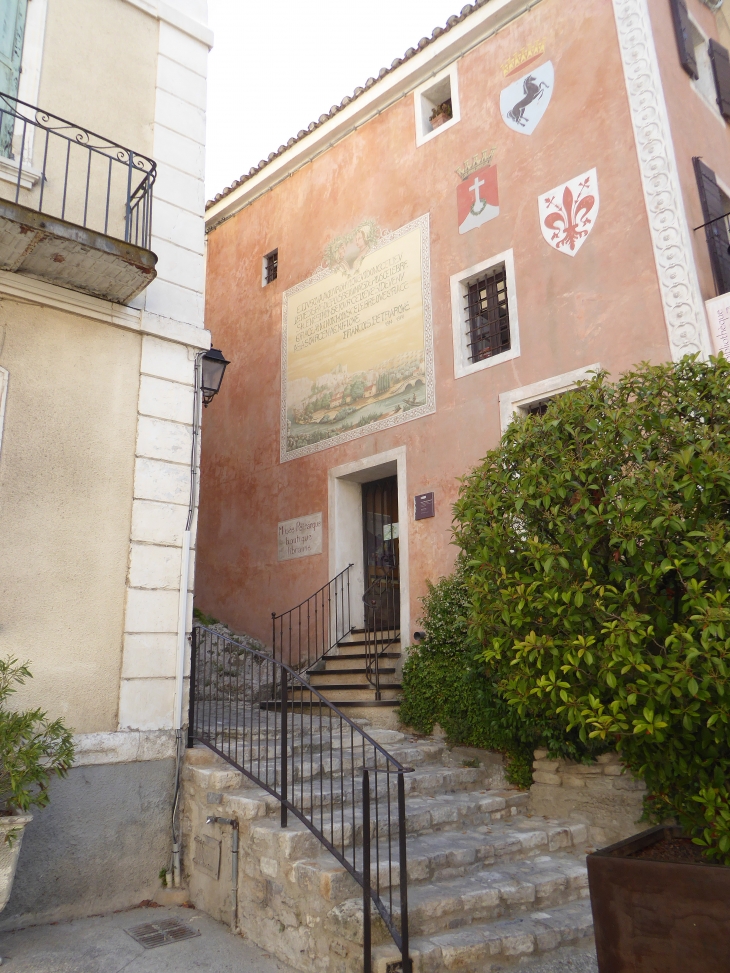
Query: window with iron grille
[[487, 314], [271, 267]]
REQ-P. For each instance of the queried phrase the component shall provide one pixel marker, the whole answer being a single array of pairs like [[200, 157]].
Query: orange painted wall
[[601, 305], [696, 128]]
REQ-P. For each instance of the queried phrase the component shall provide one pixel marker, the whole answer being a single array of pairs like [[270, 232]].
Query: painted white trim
[[424, 134], [30, 290], [123, 747], [684, 311], [459, 325], [341, 515], [517, 400], [9, 169], [176, 18], [450, 46], [4, 382]]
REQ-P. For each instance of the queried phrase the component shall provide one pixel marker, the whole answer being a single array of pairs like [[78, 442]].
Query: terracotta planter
[[439, 120], [655, 916], [10, 852]]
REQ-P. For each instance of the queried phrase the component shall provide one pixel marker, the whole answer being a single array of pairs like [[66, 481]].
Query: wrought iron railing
[[382, 625], [75, 175], [320, 765], [306, 633]]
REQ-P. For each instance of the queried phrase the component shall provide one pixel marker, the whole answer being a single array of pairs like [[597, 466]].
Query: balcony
[[75, 207]]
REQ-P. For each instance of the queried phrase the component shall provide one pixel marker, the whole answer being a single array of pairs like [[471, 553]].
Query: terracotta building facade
[[505, 209]]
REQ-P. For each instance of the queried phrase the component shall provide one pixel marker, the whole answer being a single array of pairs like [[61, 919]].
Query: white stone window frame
[[460, 325], [423, 103], [28, 91], [518, 401], [705, 88], [264, 267]]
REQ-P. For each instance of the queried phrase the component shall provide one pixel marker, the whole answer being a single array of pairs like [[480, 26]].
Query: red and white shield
[[477, 199], [568, 212]]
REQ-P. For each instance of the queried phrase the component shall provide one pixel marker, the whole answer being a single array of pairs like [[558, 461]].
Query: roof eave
[[452, 44]]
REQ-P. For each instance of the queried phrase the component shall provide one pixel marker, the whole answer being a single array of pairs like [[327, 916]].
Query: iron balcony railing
[[306, 633], [320, 765], [73, 174]]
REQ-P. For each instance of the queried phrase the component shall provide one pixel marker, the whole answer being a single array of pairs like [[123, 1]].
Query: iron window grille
[[271, 266], [487, 314], [537, 408]]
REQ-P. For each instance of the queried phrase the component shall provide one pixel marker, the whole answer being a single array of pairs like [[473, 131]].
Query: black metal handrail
[[241, 707], [76, 175], [382, 625], [306, 633]]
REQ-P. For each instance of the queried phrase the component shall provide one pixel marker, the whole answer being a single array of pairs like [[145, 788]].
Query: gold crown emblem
[[480, 160], [526, 54]]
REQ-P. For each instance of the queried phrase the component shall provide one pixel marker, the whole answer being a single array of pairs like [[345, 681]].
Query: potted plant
[[33, 749], [598, 542], [441, 113]]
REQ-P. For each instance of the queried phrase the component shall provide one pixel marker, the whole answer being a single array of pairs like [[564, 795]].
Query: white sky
[[278, 66]]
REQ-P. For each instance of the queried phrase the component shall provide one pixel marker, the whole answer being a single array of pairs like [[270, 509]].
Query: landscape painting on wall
[[357, 349]]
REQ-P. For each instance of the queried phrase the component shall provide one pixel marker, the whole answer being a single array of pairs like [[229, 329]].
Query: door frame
[[345, 540]]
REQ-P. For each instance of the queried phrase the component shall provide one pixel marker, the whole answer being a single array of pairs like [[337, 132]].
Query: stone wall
[[603, 795]]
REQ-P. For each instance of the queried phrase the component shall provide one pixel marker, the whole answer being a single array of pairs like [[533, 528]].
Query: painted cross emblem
[[477, 198], [568, 212]]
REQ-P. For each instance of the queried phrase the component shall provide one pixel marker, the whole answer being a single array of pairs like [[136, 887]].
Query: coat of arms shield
[[477, 198], [525, 101], [568, 212]]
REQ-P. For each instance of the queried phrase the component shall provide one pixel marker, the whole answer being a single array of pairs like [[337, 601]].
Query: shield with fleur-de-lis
[[568, 212]]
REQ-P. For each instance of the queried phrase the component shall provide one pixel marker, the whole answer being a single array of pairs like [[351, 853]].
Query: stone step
[[423, 815], [347, 659], [449, 855], [483, 947], [506, 890], [342, 694], [351, 676]]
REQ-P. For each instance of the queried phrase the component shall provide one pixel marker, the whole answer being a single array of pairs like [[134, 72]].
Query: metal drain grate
[[151, 934]]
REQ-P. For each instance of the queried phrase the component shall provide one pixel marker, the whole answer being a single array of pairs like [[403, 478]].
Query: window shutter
[[684, 37], [721, 69], [12, 28], [716, 232]]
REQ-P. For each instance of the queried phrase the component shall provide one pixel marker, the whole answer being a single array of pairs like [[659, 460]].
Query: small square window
[[484, 315], [270, 268], [533, 400], [436, 105]]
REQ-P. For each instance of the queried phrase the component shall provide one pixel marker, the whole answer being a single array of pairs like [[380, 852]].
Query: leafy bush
[[445, 682], [598, 557], [32, 748]]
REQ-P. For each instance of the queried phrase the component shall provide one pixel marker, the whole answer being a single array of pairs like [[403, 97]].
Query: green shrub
[[33, 749], [598, 556], [445, 682]]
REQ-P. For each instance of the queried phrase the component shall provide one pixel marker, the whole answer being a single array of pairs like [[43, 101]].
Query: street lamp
[[214, 365]]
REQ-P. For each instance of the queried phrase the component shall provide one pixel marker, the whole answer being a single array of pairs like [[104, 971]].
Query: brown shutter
[[721, 69], [715, 232], [684, 37]]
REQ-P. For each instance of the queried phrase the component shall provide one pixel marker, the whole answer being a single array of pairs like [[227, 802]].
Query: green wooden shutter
[[720, 58], [12, 28], [716, 232], [683, 32]]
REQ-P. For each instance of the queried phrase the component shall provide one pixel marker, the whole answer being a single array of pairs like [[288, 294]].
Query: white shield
[[525, 101], [568, 212]]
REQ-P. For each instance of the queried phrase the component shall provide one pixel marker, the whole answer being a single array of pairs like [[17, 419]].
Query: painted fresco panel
[[357, 347]]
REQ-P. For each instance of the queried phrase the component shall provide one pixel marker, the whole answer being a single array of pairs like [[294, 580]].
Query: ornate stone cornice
[[681, 298]]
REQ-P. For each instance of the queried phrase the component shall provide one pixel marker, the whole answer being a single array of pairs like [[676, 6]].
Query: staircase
[[345, 675], [488, 883]]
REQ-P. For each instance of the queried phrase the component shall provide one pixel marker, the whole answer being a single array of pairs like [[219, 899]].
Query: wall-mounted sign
[[525, 101], [300, 537], [357, 346], [718, 313], [568, 212], [477, 199], [424, 506]]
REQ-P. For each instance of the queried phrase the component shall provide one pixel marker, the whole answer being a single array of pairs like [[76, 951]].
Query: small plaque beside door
[[425, 506]]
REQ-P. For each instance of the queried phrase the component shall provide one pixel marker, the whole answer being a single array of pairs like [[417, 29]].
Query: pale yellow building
[[102, 135]]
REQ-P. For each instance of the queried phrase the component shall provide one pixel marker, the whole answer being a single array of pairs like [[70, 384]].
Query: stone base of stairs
[[489, 884]]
